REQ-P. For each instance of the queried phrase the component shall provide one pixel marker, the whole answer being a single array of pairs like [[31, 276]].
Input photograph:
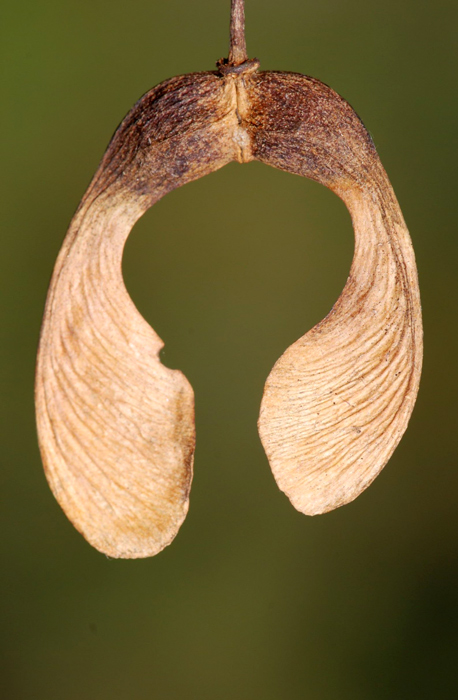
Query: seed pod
[[116, 427]]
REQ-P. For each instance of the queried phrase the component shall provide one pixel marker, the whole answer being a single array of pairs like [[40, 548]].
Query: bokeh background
[[253, 600]]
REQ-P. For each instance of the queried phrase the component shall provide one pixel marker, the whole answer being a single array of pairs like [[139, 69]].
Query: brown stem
[[237, 50]]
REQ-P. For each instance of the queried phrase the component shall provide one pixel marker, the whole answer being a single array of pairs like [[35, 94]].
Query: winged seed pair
[[116, 427]]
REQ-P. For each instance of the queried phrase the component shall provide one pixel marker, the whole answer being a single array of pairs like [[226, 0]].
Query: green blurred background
[[252, 600]]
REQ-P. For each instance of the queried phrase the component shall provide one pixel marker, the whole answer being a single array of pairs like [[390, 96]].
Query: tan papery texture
[[116, 427]]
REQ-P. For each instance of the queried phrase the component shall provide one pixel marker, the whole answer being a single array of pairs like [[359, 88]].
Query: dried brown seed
[[116, 427]]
